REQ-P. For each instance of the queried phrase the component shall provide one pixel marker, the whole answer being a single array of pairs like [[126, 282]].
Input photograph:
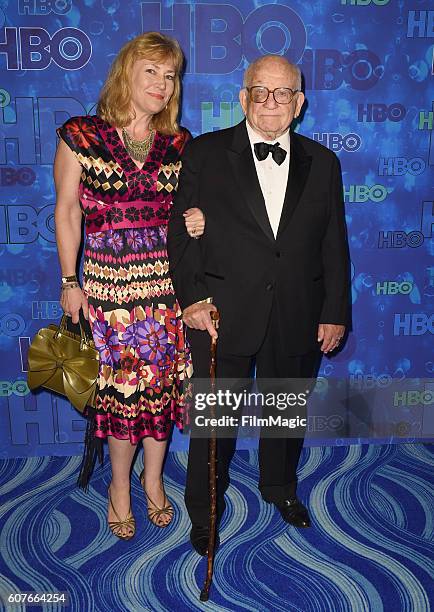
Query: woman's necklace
[[138, 149]]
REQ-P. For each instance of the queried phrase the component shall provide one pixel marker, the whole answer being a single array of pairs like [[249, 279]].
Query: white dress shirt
[[272, 177]]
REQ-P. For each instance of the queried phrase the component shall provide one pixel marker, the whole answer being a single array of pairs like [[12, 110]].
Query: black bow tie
[[262, 149]]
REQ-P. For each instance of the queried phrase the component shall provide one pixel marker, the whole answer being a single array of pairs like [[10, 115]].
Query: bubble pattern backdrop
[[368, 68]]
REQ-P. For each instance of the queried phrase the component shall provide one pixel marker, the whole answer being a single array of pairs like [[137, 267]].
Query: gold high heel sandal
[[155, 514], [118, 526]]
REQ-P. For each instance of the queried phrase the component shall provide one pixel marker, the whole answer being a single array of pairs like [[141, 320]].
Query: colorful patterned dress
[[134, 316]]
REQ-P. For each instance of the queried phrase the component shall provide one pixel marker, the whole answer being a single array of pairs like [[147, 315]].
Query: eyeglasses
[[282, 95]]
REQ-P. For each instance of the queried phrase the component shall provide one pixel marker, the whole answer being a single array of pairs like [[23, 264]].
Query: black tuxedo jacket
[[304, 271]]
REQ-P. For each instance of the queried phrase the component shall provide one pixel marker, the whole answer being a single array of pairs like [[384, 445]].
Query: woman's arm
[[68, 218]]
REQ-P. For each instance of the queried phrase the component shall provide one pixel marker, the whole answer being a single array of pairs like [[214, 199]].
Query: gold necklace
[[138, 149]]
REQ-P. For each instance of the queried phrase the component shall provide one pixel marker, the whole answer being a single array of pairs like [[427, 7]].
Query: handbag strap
[[83, 323], [85, 340], [62, 326]]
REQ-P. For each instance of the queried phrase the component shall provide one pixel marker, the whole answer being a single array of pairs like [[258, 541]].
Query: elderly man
[[274, 260]]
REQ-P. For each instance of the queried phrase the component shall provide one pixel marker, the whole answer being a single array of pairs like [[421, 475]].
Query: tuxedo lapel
[[241, 159], [299, 168]]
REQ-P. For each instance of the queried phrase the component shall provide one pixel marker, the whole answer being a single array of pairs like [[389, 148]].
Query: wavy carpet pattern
[[370, 546]]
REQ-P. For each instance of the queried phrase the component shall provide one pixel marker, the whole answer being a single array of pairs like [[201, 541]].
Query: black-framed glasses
[[282, 95]]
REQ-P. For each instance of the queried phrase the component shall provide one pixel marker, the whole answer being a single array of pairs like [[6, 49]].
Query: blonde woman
[[119, 169]]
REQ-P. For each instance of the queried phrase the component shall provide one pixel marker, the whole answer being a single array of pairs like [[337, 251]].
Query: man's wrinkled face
[[270, 119]]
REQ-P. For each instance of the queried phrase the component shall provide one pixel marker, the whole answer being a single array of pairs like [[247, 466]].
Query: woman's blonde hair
[[114, 105]]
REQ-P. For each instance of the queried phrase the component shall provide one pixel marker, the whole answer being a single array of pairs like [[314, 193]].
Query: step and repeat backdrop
[[368, 71]]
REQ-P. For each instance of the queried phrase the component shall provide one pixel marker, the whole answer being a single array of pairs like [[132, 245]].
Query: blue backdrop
[[368, 68]]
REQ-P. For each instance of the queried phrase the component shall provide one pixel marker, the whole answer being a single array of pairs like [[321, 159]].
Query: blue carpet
[[370, 546]]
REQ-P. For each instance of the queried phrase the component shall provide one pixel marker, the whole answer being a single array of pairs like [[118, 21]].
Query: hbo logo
[[17, 387], [398, 166], [10, 177], [363, 193], [44, 7], [393, 288], [413, 324], [322, 423], [24, 224], [369, 381], [412, 398], [337, 142], [380, 112], [35, 48], [400, 239]]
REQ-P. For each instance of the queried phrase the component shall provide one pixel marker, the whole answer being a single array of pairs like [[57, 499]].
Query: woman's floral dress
[[134, 316]]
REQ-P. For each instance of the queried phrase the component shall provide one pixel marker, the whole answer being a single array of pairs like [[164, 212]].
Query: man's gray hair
[[251, 68]]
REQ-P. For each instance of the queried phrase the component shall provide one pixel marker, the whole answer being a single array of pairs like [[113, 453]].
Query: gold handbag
[[64, 362]]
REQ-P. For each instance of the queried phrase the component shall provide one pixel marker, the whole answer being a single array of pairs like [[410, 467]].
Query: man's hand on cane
[[197, 316]]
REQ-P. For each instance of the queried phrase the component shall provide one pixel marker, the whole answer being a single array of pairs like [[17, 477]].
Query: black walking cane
[[212, 472]]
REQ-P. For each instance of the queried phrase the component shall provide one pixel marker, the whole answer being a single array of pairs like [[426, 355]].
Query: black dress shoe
[[199, 539], [294, 513]]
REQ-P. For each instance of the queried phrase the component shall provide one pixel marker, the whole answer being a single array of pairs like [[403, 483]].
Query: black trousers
[[278, 457]]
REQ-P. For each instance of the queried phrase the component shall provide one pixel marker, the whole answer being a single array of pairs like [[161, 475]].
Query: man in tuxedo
[[273, 260]]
